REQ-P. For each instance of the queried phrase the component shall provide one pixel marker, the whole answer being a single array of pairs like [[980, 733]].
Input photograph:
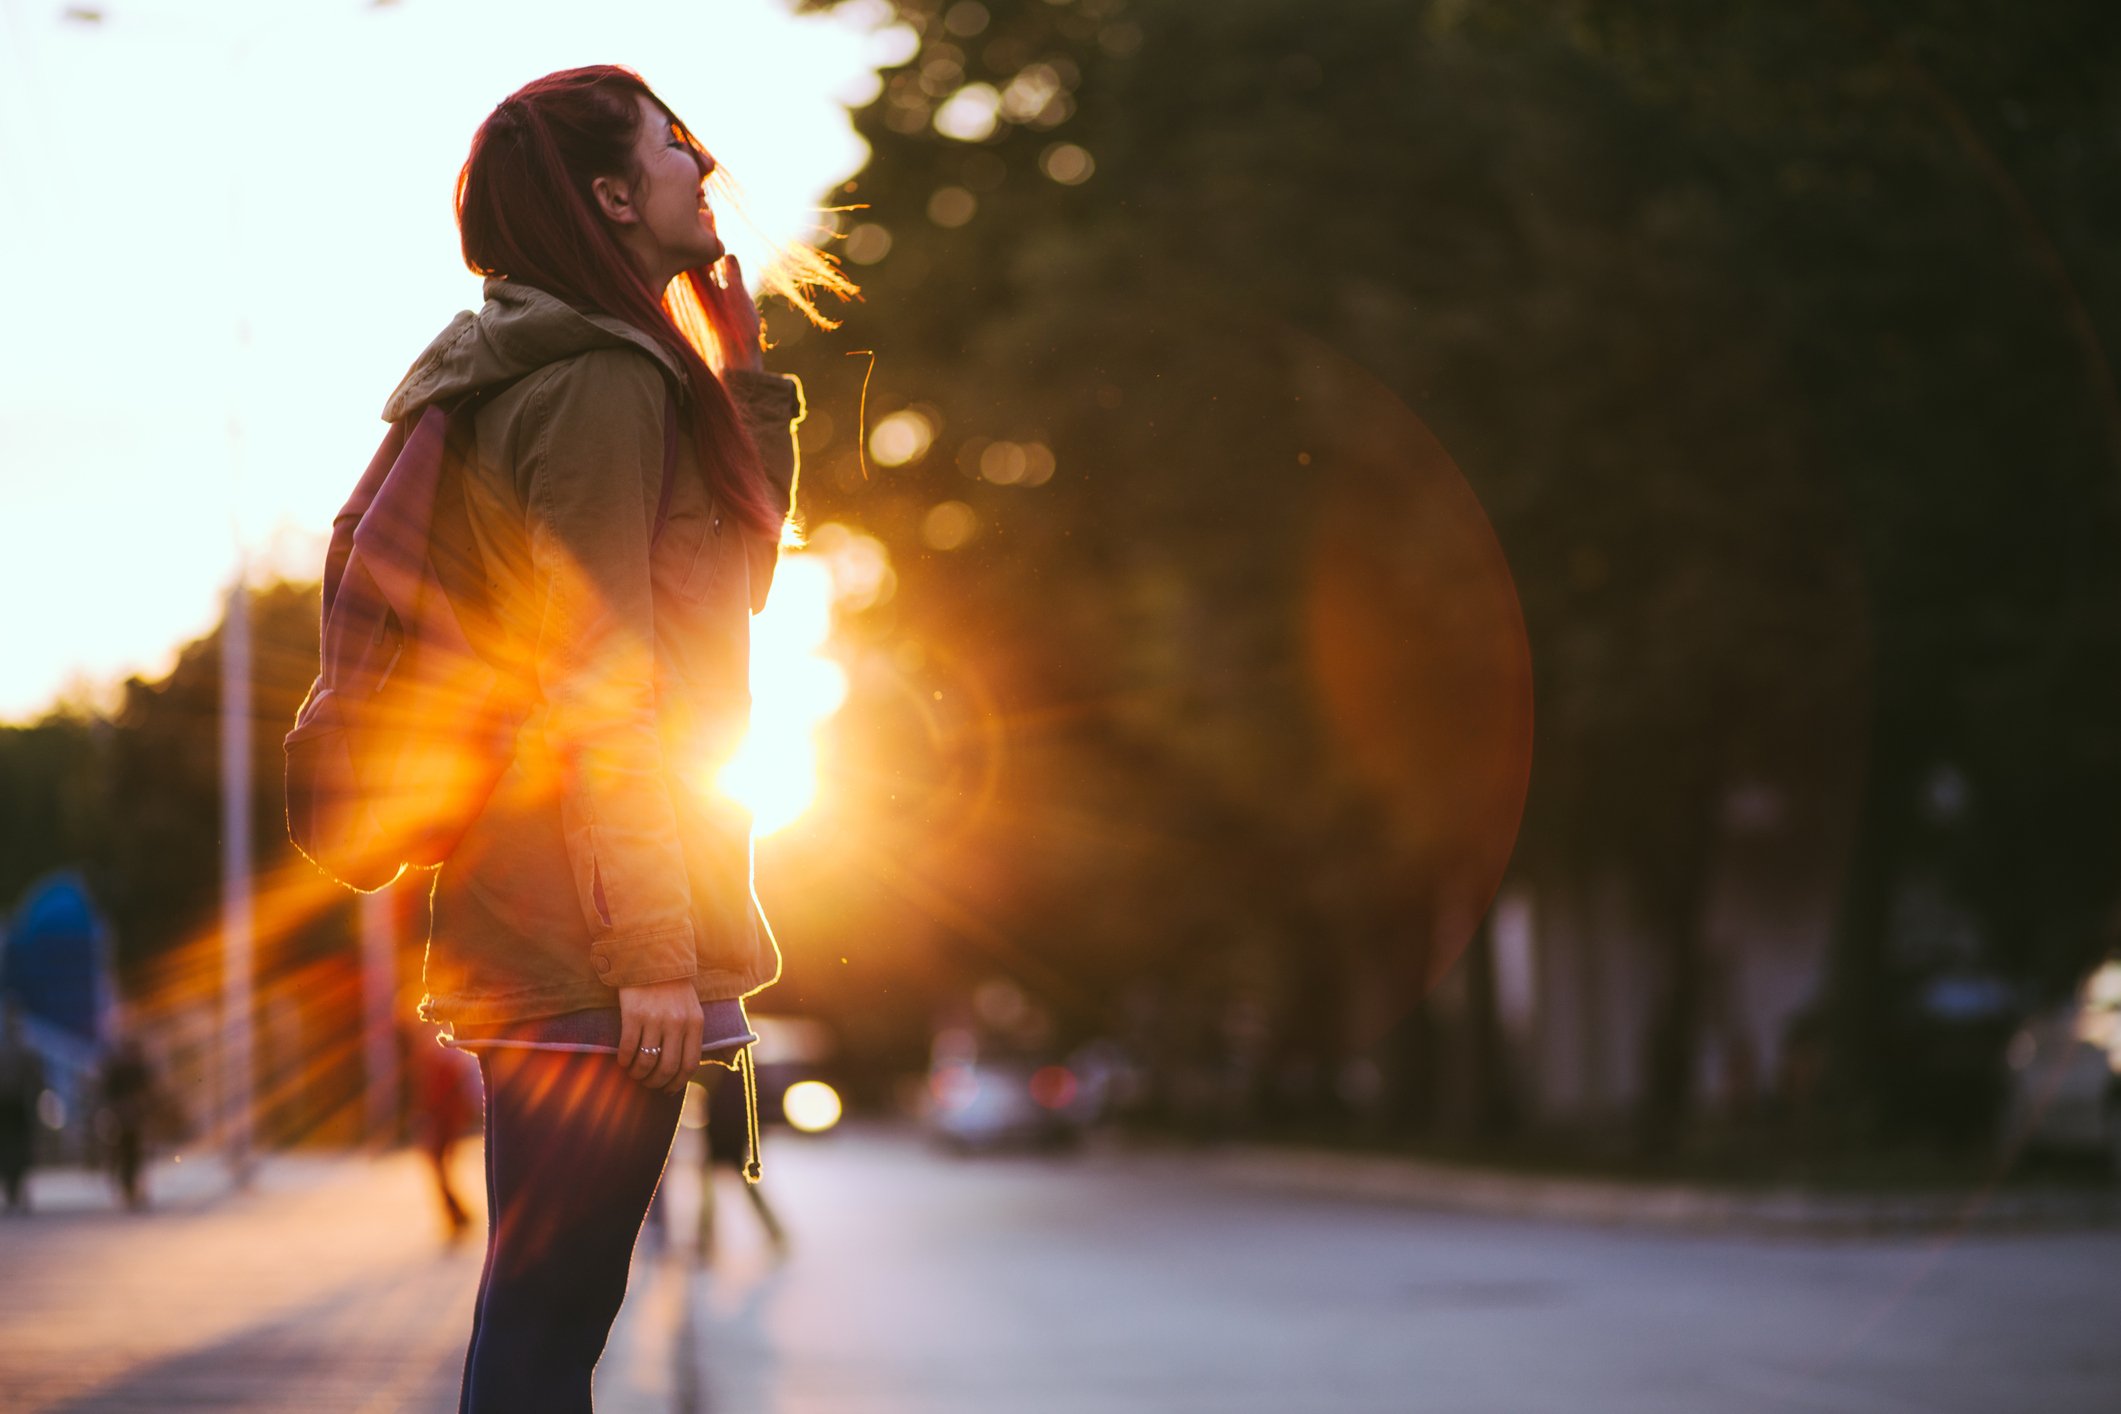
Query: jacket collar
[[519, 330]]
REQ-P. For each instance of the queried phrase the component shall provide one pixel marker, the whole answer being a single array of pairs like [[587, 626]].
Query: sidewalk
[[1119, 1281], [1785, 1211], [175, 1185], [326, 1284]]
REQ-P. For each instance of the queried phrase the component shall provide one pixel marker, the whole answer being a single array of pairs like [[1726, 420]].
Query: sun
[[794, 689]]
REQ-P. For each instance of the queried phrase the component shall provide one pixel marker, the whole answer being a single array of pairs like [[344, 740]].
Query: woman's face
[[673, 229]]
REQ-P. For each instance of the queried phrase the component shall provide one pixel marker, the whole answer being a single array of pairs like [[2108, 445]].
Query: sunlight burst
[[794, 688]]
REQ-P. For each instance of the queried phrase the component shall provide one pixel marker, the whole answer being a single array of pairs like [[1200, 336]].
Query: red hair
[[525, 212]]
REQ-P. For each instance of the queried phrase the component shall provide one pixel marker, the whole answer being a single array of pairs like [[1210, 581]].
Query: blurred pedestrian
[[609, 527], [444, 1101], [127, 1084], [728, 1140], [21, 1086]]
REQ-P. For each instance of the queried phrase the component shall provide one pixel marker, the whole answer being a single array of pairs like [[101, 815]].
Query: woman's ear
[[615, 199]]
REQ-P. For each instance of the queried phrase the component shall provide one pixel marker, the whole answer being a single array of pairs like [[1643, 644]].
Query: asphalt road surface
[[919, 1284]]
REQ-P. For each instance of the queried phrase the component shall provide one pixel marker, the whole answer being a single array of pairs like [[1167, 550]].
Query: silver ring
[[651, 1050]]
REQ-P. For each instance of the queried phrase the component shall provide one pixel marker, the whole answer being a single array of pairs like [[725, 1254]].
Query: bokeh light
[[949, 526], [1067, 164], [970, 114], [866, 245], [952, 207], [901, 437], [811, 1106]]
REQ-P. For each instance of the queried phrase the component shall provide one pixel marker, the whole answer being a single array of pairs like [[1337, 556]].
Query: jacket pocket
[[688, 557]]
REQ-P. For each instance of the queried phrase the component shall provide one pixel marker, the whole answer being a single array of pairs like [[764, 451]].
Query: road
[[923, 1285]]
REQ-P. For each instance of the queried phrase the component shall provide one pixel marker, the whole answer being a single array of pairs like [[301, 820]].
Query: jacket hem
[[459, 1009]]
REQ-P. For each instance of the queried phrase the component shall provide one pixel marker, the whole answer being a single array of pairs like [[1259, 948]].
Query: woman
[[594, 932]]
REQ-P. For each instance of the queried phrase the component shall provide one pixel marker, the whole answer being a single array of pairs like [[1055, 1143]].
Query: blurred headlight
[[811, 1106]]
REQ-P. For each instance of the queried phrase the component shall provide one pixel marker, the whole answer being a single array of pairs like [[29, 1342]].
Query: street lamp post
[[234, 1097], [233, 1080]]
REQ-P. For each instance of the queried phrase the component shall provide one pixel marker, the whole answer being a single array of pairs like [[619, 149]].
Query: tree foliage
[[1769, 338]]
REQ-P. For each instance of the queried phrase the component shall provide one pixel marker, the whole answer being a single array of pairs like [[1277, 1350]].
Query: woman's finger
[[666, 1063], [629, 1038], [688, 1056], [648, 1055]]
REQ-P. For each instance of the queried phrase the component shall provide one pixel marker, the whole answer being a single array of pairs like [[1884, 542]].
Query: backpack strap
[[670, 462]]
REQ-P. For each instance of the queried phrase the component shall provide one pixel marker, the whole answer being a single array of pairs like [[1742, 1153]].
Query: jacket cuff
[[643, 958], [766, 397]]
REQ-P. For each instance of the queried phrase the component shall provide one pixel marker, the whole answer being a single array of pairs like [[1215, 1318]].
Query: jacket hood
[[520, 330]]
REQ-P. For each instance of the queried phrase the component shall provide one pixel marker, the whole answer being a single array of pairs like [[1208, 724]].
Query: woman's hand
[[659, 1033], [732, 317]]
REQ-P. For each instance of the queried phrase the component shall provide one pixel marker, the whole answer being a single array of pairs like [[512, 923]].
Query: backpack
[[407, 729]]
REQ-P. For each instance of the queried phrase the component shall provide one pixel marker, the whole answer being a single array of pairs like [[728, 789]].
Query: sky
[[228, 233]]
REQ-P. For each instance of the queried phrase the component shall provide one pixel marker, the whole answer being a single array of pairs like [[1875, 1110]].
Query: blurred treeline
[[132, 797], [1770, 339], [134, 794]]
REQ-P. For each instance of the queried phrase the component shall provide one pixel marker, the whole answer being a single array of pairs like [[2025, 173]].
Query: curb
[[198, 1180], [1680, 1207]]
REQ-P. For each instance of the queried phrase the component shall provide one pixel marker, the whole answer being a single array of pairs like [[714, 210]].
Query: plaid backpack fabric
[[407, 729]]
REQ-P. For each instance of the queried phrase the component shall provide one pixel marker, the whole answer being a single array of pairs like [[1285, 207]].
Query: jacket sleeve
[[596, 473], [771, 405]]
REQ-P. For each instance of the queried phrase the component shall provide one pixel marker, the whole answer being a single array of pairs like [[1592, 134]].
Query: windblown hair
[[525, 212]]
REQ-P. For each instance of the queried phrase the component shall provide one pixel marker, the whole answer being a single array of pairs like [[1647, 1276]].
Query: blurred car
[[1945, 1070], [984, 1095], [793, 1057], [2065, 1066]]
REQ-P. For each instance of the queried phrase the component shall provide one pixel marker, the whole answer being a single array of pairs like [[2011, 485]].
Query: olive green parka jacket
[[605, 857]]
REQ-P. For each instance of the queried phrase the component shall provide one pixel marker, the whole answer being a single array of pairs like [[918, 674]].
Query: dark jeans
[[573, 1153]]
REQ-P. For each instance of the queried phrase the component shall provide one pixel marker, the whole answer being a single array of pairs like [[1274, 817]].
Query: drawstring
[[751, 1115]]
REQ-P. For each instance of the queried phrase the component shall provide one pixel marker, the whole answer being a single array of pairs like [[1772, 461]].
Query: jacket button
[[603, 964]]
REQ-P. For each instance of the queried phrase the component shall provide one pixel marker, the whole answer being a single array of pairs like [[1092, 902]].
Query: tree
[[1739, 366]]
